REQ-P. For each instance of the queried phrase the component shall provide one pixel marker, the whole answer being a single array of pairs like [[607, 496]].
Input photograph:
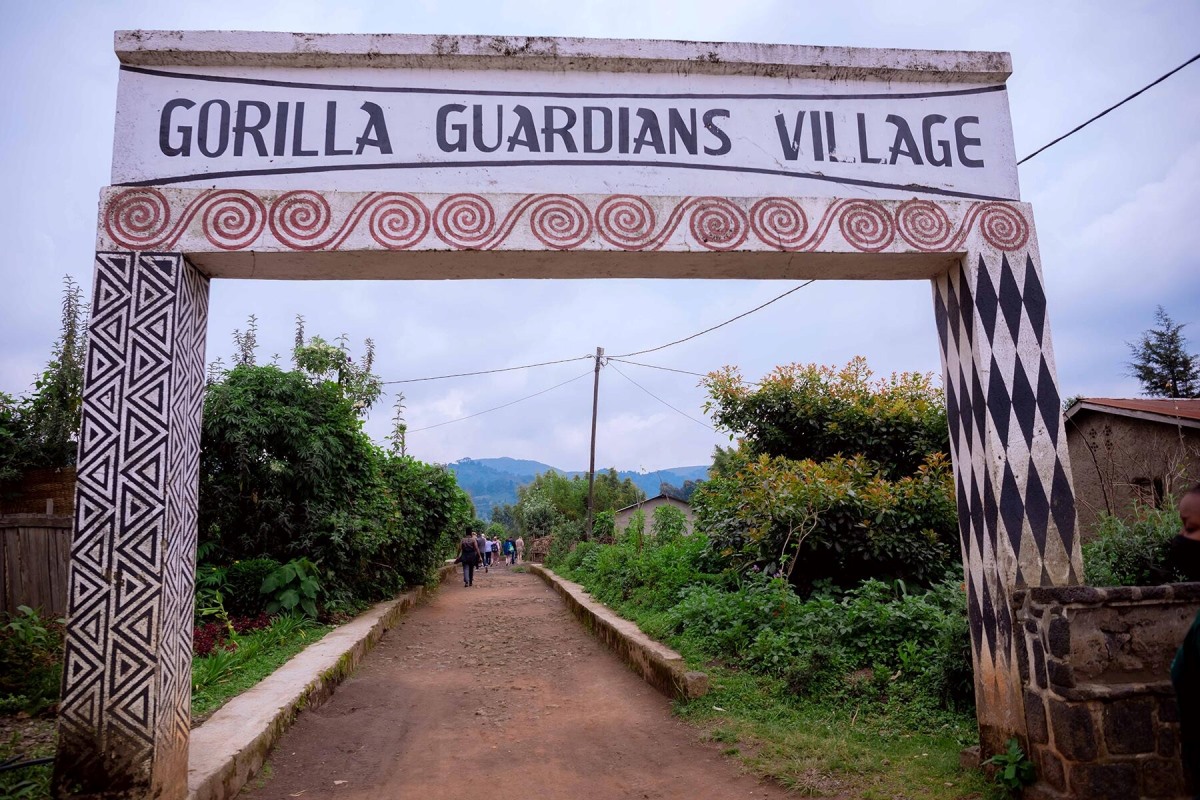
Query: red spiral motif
[[233, 219], [1003, 227], [924, 225], [625, 221], [465, 221], [717, 223], [560, 221], [299, 219], [137, 218], [779, 221], [399, 221], [866, 225]]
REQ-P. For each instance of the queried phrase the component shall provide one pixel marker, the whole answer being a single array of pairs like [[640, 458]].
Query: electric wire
[[487, 371], [714, 327], [506, 405], [656, 366], [623, 355], [670, 369], [664, 402], [1078, 128]]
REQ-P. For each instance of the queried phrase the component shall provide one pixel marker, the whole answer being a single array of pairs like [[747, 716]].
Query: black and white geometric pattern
[[125, 711], [1012, 475]]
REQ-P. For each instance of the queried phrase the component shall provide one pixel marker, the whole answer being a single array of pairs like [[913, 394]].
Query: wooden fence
[[35, 550]]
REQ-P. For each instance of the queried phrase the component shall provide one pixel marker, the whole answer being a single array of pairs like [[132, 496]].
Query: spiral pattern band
[[779, 221], [625, 221], [924, 225], [398, 221], [464, 220], [233, 219], [1003, 227], [866, 225], [717, 223], [300, 219], [560, 221], [138, 218]]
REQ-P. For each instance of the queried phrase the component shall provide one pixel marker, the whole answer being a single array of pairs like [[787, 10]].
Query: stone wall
[[1095, 666]]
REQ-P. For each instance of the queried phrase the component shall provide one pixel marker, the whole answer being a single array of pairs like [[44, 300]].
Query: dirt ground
[[497, 692]]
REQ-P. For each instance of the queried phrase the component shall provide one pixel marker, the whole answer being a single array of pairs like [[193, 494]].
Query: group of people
[[476, 550]]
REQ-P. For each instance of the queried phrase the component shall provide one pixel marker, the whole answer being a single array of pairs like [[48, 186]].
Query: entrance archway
[[223, 194]]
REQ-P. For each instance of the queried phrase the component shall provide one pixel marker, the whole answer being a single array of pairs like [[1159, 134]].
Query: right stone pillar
[[1016, 505]]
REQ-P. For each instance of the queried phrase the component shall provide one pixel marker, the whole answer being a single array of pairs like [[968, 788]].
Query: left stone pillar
[[125, 713]]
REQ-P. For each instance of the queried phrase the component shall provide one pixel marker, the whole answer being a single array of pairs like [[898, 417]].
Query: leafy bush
[[668, 524], [839, 520], [875, 642], [1133, 553], [243, 582], [806, 411], [287, 473], [292, 588], [30, 660]]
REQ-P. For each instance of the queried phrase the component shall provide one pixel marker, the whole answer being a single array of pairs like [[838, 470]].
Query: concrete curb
[[232, 744], [659, 665]]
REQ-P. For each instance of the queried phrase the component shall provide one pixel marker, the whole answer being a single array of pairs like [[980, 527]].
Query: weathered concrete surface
[[233, 743], [276, 49], [659, 665]]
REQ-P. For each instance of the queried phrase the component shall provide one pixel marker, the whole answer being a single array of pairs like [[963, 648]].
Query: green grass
[[819, 751], [29, 782], [224, 674]]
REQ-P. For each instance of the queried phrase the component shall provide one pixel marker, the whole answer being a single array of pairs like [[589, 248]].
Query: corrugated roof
[[1167, 407]]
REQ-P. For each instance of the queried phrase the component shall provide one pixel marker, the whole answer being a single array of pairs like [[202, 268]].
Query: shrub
[[1133, 553], [30, 660], [243, 586], [839, 520]]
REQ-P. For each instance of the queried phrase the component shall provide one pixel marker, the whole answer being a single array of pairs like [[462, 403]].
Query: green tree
[[48, 421], [814, 412], [837, 476], [1161, 361]]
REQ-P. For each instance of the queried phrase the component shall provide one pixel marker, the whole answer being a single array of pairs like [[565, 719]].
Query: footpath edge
[[232, 745], [659, 665]]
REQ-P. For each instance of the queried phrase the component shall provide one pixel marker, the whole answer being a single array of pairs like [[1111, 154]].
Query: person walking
[[487, 552], [480, 544], [510, 551], [520, 543], [468, 556]]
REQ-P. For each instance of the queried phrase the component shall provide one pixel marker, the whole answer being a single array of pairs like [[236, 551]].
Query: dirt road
[[497, 693]]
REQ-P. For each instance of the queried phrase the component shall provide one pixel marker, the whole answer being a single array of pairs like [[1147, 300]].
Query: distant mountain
[[494, 481]]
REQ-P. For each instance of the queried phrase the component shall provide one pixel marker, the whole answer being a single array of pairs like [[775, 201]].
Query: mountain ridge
[[493, 481]]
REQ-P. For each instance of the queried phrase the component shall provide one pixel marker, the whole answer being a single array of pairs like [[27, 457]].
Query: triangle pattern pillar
[[1016, 505], [125, 713]]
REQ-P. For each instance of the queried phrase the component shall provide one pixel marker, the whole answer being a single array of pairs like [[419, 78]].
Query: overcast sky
[[1115, 205]]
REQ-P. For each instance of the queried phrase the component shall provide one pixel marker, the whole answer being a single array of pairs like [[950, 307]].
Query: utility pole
[[587, 531]]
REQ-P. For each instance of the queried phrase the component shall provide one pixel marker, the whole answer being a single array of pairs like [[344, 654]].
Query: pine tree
[[1161, 361]]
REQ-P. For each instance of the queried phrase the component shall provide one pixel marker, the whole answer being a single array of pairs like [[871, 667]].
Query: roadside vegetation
[[820, 590], [303, 520]]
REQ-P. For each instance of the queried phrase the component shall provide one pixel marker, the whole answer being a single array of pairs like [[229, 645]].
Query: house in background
[[1127, 450], [623, 515]]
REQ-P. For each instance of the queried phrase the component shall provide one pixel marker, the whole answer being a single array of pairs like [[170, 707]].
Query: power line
[[506, 405], [714, 327], [664, 402], [1110, 108], [656, 366], [487, 371]]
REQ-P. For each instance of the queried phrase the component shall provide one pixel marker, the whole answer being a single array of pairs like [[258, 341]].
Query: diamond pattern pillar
[[125, 712], [1016, 506]]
